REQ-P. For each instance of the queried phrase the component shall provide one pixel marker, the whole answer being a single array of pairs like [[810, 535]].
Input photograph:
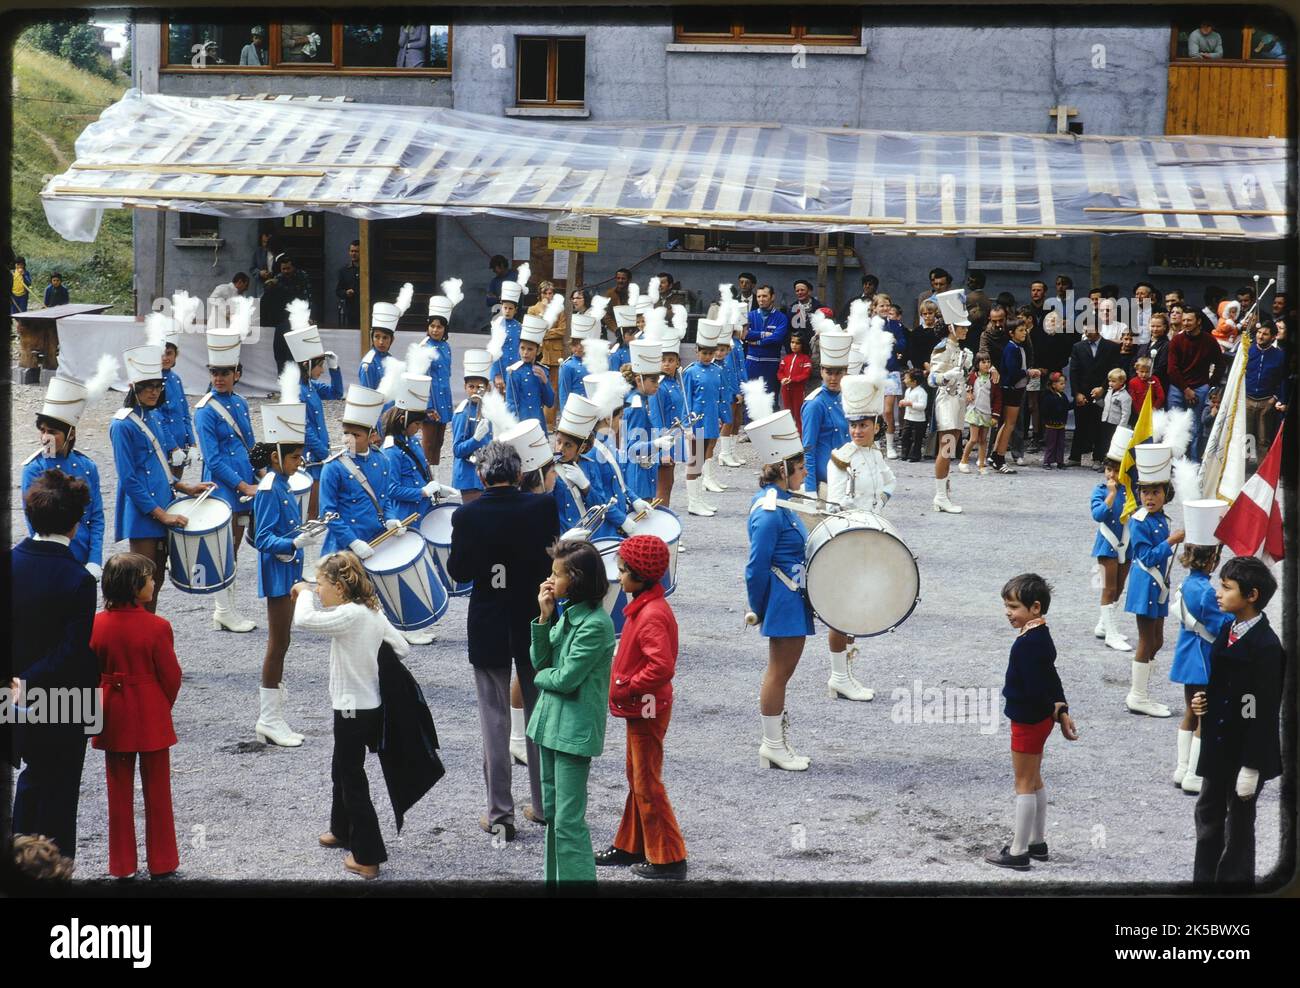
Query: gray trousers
[[493, 686]]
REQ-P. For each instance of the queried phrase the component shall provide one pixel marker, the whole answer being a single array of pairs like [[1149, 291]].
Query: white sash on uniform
[[157, 447], [355, 473], [1191, 624]]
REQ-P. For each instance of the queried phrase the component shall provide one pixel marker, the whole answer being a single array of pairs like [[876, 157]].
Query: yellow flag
[[1128, 471]]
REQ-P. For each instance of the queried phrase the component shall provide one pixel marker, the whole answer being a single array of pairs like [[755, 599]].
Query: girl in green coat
[[572, 654]]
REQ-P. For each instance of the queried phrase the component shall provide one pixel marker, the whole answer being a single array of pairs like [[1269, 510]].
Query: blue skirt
[[1143, 596], [275, 578], [788, 614], [1101, 549], [1191, 665]]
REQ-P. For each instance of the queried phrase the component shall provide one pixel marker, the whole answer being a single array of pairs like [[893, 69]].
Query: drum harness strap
[[355, 473], [1190, 622], [788, 581], [1155, 574], [157, 448], [609, 458], [224, 412], [405, 446], [1119, 545]]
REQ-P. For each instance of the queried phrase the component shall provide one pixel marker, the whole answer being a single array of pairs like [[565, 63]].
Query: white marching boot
[[942, 502], [225, 616], [842, 682], [695, 502], [1113, 638], [419, 637], [271, 727], [518, 737], [284, 702], [1138, 700], [1100, 630], [1191, 781], [775, 751], [1184, 750], [890, 452], [710, 484], [728, 457]]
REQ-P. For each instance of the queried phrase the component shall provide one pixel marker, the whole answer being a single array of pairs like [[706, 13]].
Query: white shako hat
[[855, 361], [708, 332], [511, 291], [834, 346], [646, 356], [441, 305], [1200, 519], [1119, 443], [625, 316], [413, 392], [725, 341], [478, 363], [533, 329], [284, 422], [861, 397], [65, 400], [144, 363], [579, 417], [583, 327], [385, 315], [224, 347], [591, 382], [530, 442], [1154, 462], [305, 344], [775, 437], [362, 406], [952, 307], [672, 344]]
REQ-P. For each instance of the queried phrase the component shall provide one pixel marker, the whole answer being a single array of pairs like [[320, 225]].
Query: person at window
[[301, 43], [254, 53], [263, 266], [1205, 42], [348, 288], [1267, 46], [288, 284], [499, 267], [413, 46], [870, 283]]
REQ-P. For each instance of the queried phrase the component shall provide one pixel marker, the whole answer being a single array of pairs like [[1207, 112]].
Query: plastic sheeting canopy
[[253, 159]]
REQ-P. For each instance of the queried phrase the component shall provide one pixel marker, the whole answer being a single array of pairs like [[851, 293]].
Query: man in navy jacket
[[765, 339], [52, 597]]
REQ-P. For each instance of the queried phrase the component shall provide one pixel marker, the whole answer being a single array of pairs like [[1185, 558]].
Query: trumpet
[[315, 526], [592, 518]]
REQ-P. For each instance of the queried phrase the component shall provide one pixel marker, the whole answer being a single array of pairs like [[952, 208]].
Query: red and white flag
[[1253, 525]]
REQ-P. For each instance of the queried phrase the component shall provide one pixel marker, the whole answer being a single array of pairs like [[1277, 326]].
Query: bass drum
[[862, 578]]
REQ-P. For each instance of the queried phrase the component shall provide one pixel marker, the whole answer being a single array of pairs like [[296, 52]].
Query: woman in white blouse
[[353, 619]]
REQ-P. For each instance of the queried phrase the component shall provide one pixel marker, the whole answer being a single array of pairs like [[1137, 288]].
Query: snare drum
[[436, 529], [300, 482], [862, 579], [405, 576], [667, 526], [201, 556], [615, 598]]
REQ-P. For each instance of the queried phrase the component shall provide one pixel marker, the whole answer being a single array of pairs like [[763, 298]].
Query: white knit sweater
[[357, 633]]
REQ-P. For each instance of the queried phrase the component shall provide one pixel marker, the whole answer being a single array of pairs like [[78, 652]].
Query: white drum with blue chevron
[[436, 529], [405, 575], [201, 556]]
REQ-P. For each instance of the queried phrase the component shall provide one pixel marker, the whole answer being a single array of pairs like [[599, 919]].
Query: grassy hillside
[[44, 134]]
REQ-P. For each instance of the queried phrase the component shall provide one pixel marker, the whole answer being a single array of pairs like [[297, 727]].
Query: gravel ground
[[885, 800]]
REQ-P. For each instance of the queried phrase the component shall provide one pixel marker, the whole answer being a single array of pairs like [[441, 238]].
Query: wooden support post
[[363, 235], [159, 259], [823, 240], [839, 270], [1062, 114], [1094, 245]]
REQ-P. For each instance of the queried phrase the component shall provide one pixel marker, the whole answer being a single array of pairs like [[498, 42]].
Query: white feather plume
[[679, 320], [610, 391], [726, 292], [859, 324], [1178, 430], [241, 315], [877, 346], [656, 326], [553, 309], [820, 323], [299, 314], [451, 289], [100, 382], [633, 294], [403, 300], [419, 357], [521, 277], [497, 338], [497, 412], [595, 358], [652, 290], [290, 381], [759, 402], [598, 306], [1187, 479], [156, 328]]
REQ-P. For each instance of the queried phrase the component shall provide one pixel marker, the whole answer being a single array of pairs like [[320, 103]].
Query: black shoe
[[1074, 463], [675, 870], [1038, 851], [1005, 859], [616, 856]]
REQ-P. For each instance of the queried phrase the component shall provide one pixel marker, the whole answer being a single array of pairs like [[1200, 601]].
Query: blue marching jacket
[[174, 413], [733, 370], [572, 372], [225, 452], [824, 429], [408, 472], [371, 370], [1150, 553], [527, 393], [88, 544], [317, 442], [672, 407], [440, 371], [640, 428], [621, 356], [275, 516], [600, 464], [358, 516], [706, 395], [143, 481], [776, 540], [1108, 521], [509, 349], [572, 503], [464, 475], [1200, 621]]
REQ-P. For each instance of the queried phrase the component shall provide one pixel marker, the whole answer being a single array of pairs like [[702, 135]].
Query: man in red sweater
[[1194, 359]]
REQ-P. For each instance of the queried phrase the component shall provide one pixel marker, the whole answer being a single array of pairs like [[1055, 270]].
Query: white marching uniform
[[858, 477], [950, 363]]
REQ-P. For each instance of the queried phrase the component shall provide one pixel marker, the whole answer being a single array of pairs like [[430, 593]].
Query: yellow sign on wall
[[574, 233]]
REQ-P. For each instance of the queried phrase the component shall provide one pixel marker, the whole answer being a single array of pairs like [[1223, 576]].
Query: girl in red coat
[[641, 692], [140, 677], [792, 372]]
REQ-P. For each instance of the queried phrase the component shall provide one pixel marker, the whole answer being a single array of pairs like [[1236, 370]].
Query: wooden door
[[1247, 99], [302, 237], [542, 261], [401, 251]]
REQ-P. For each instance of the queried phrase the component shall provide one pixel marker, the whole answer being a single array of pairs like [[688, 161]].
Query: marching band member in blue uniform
[[1151, 550], [643, 438], [173, 407], [280, 543], [672, 408], [582, 327], [412, 486], [354, 483], [145, 486], [709, 407], [1110, 547], [607, 391], [576, 492], [65, 401], [434, 429], [225, 431], [730, 356], [312, 361], [384, 317], [773, 573], [470, 428], [625, 320], [824, 426], [528, 387], [512, 293]]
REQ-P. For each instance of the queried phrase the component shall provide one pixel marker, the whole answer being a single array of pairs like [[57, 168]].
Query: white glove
[[94, 570], [430, 489], [576, 535], [951, 376], [640, 505], [574, 475], [361, 548], [396, 527], [1247, 782], [482, 429], [629, 526], [192, 456], [304, 539], [331, 360], [179, 459], [663, 442]]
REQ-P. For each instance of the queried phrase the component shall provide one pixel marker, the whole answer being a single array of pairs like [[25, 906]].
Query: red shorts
[[1030, 738]]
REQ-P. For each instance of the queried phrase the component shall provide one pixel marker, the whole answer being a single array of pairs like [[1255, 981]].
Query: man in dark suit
[[52, 597], [500, 541], [1239, 709], [347, 288], [1091, 359]]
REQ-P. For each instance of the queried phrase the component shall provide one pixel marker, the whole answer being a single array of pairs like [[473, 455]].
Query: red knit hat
[[647, 554]]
